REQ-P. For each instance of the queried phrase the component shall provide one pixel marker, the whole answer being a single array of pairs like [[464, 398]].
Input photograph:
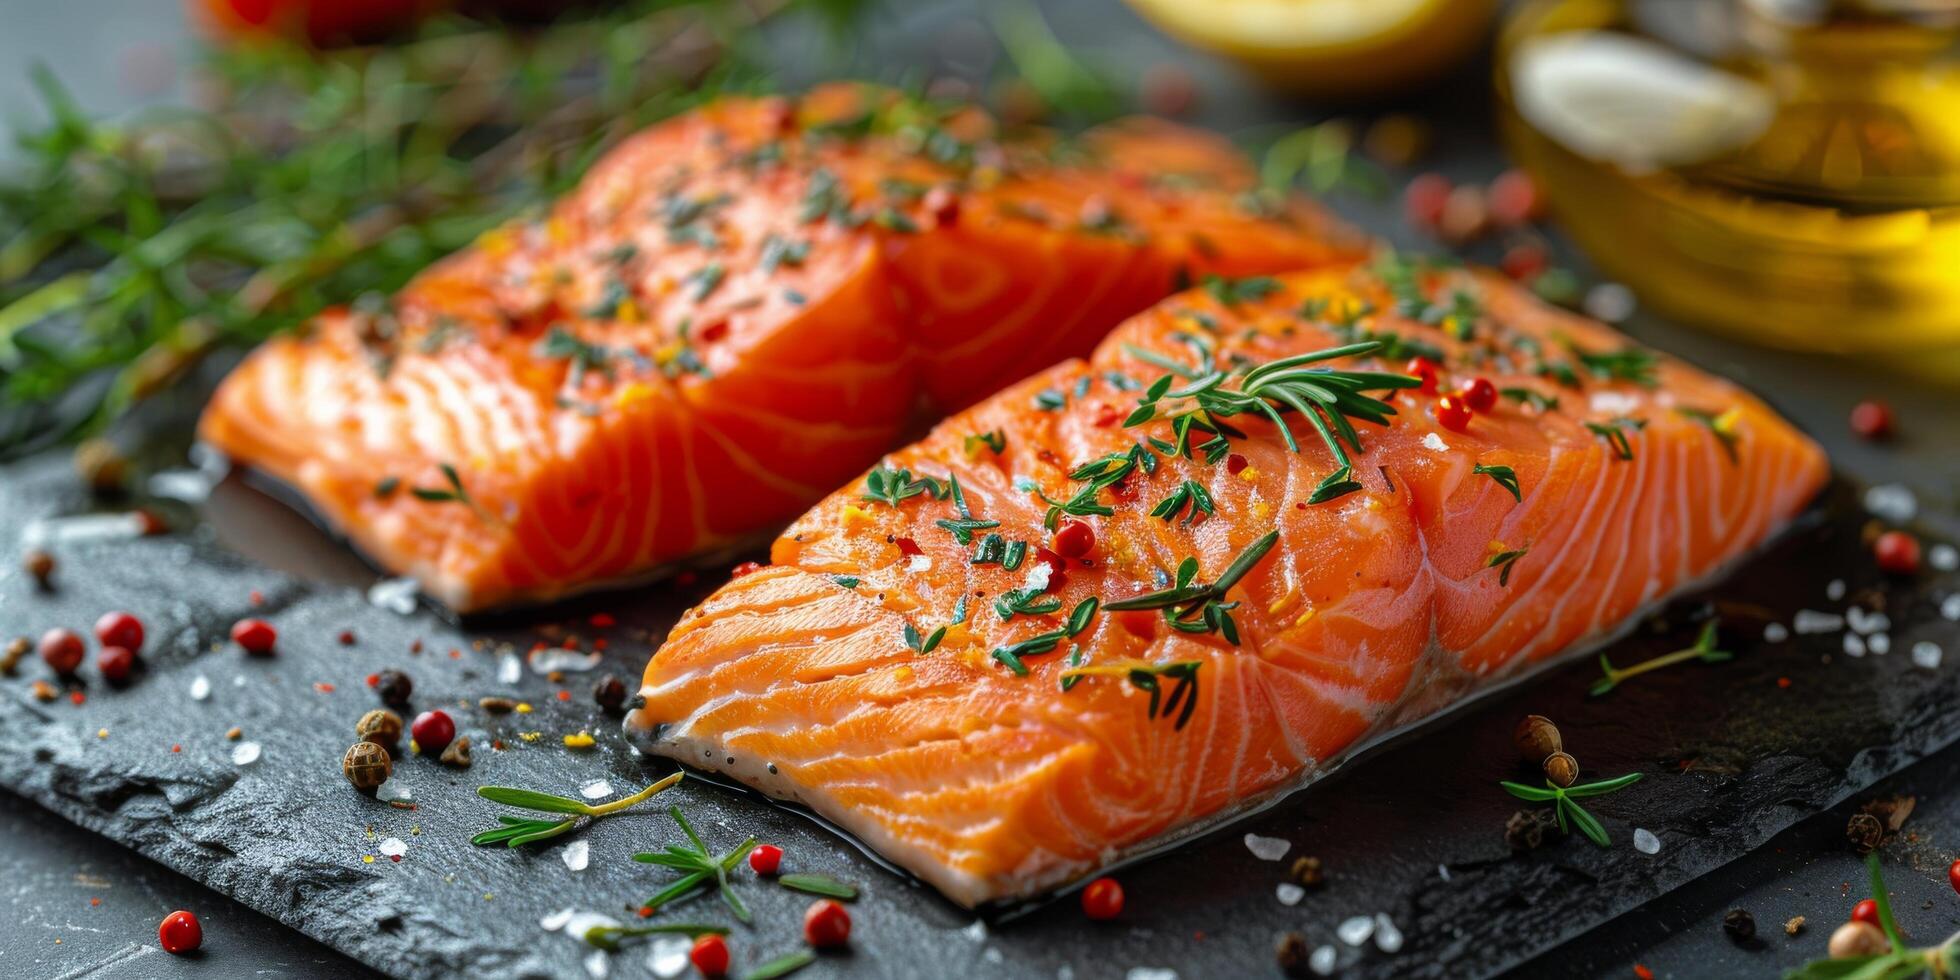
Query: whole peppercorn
[[1309, 872], [826, 924], [1537, 738], [367, 765], [1739, 924], [1292, 952], [1858, 939], [610, 692], [380, 726], [1561, 768], [101, 465], [394, 688], [1872, 420], [1897, 552], [1864, 832], [115, 664], [39, 566], [119, 629]]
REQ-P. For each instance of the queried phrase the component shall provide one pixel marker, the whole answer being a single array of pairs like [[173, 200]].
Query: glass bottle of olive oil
[[1787, 171]]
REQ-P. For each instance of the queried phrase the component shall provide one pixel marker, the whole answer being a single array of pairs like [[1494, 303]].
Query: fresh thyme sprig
[[1900, 962], [1702, 650], [1095, 476], [1191, 606], [1569, 811], [699, 866], [1013, 654], [963, 528], [1504, 476], [1144, 677], [892, 487], [1326, 398], [1190, 498], [1719, 424], [518, 831]]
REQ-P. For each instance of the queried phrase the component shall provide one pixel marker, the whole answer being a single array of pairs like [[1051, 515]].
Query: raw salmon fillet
[[994, 728], [735, 311]]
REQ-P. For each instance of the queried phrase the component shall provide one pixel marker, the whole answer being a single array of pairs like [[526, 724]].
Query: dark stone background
[[1747, 786]]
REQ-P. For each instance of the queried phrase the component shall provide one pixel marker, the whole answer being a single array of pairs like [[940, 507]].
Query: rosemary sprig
[[1013, 655], [1326, 398], [1702, 650], [1190, 498], [1629, 363], [963, 528], [518, 831], [1569, 811], [1144, 677], [892, 487], [1901, 962], [1614, 431], [1191, 606], [699, 866], [1504, 477], [612, 937]]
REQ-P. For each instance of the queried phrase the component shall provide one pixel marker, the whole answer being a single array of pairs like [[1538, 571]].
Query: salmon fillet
[[920, 665], [735, 311]]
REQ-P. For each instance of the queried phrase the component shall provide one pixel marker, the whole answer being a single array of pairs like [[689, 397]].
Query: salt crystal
[[510, 670], [1835, 590], [1355, 931], [992, 955], [393, 790], [1775, 633], [1944, 557], [1950, 607], [189, 486], [1267, 848], [556, 920], [1812, 621], [393, 847], [1609, 301], [577, 855], [668, 957], [1879, 643], [1854, 645], [1322, 961], [1435, 442], [1443, 871], [238, 680], [245, 754], [551, 660], [397, 595], [1645, 842], [583, 922], [1388, 939], [597, 789], [200, 688], [976, 932], [919, 563], [1290, 893], [1866, 623], [1150, 973], [1893, 502], [1926, 654], [1065, 972], [598, 964]]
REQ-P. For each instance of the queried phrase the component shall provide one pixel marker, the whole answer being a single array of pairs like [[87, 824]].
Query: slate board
[[1412, 830]]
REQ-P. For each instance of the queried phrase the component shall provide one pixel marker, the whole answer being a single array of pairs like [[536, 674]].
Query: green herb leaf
[[782, 966], [1504, 476], [817, 884]]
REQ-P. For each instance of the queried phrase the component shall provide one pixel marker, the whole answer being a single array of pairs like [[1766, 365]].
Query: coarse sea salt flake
[[1388, 938], [397, 595], [1323, 960], [1926, 654], [393, 790], [598, 964], [510, 670], [1950, 607], [1944, 557], [1893, 502], [1854, 645], [245, 754], [1865, 622], [1879, 643], [200, 688], [1835, 590], [1290, 893], [577, 855], [1355, 931], [1150, 973], [552, 660], [1775, 633], [1811, 621], [597, 789], [556, 920], [1267, 848], [1645, 842], [392, 847], [668, 958], [1435, 442]]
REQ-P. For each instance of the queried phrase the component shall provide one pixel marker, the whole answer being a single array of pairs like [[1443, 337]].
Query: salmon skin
[[922, 665], [735, 311]]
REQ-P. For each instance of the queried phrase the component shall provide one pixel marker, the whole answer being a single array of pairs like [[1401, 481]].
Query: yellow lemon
[[1322, 48]]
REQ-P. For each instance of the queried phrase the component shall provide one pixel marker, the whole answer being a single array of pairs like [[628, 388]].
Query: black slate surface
[[1733, 757]]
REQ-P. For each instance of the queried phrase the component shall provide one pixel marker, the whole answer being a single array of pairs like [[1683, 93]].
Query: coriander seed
[[1561, 768], [1537, 738]]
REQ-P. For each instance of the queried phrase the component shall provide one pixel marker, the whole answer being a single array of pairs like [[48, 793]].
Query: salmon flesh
[[922, 665]]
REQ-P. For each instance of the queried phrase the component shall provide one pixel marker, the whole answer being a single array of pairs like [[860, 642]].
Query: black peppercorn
[[1292, 953], [1739, 924], [1864, 832], [610, 692], [394, 688]]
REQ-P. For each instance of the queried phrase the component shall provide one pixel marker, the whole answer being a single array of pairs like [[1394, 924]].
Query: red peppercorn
[[180, 933], [346, 638], [119, 629], [908, 547], [1524, 262], [826, 923], [1424, 370], [432, 731], [256, 635], [710, 955], [1866, 911], [1897, 552], [115, 663], [1453, 413], [1514, 199], [1103, 899], [1872, 420], [1075, 539], [944, 206], [1480, 395], [62, 650], [1953, 875], [713, 330], [1236, 464], [1423, 200], [1057, 568], [765, 859], [746, 568]]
